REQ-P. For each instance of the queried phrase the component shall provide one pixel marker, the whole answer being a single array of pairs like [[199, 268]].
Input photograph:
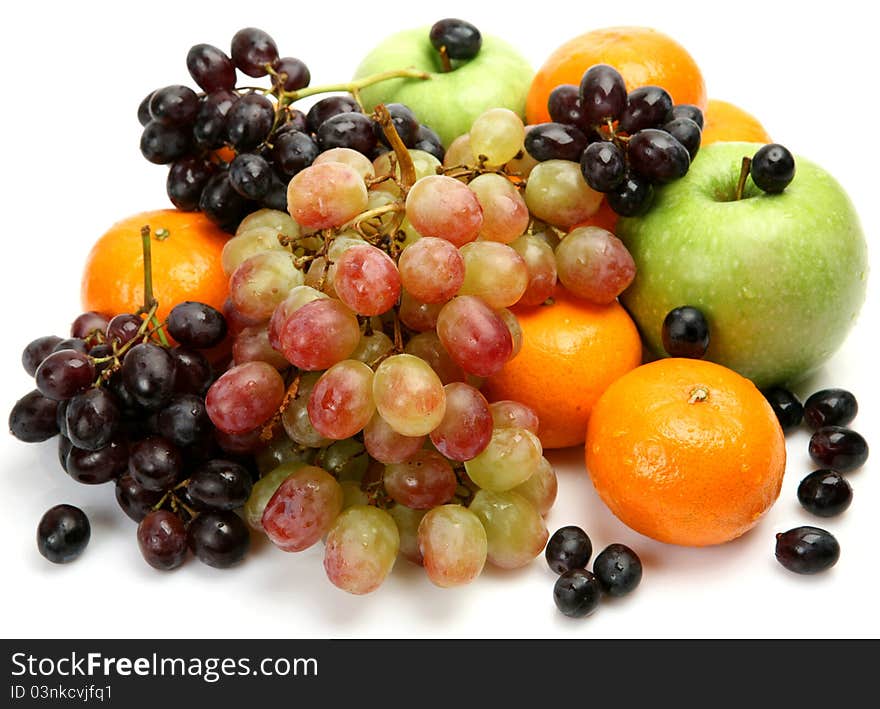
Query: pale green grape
[[516, 333], [497, 136], [515, 532], [281, 450], [346, 459], [248, 243], [424, 163], [361, 549], [407, 521], [512, 457], [453, 545], [459, 153], [557, 194], [505, 214], [278, 221], [371, 347], [409, 395], [494, 272], [295, 417], [352, 494], [263, 281]]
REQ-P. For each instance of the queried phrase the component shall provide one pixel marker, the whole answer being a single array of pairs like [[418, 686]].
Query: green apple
[[779, 277], [448, 102]]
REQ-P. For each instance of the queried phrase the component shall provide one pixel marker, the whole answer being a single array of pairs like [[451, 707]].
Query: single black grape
[[685, 110], [36, 351], [134, 499], [838, 448], [429, 141], [127, 405], [123, 328], [89, 326], [249, 121], [569, 548], [250, 175], [174, 105], [252, 50], [602, 94], [95, 467], [685, 333], [144, 116], [657, 156], [329, 107], [786, 406], [632, 197], [807, 550], [460, 38], [405, 123], [830, 407], [192, 372], [292, 74], [555, 141], [92, 419], [161, 144], [155, 463], [618, 569], [186, 180], [564, 106], [347, 130], [64, 447], [209, 130], [219, 539], [577, 593], [603, 165], [197, 325], [219, 485], [294, 119], [646, 107], [77, 344], [64, 373], [825, 493], [276, 196], [34, 418], [222, 204], [63, 533], [294, 151], [686, 132], [773, 168], [162, 540], [210, 68], [184, 421], [148, 374]]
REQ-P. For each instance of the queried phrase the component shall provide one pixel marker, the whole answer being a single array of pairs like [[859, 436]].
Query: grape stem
[[744, 170], [353, 87]]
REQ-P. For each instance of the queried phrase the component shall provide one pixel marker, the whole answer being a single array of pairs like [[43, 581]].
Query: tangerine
[[185, 254], [642, 55], [571, 351], [685, 451], [723, 121]]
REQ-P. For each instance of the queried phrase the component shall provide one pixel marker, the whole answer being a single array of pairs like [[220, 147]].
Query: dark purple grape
[[148, 374], [250, 175], [195, 324], [94, 467], [569, 548], [428, 141], [209, 129], [577, 593], [249, 121], [292, 74], [162, 540], [685, 110], [123, 328], [76, 344], [102, 351], [210, 68], [174, 105], [603, 165], [773, 168], [294, 119], [63, 533], [686, 132], [602, 94], [219, 485], [807, 550], [222, 204], [830, 407], [134, 499], [88, 326], [276, 195], [144, 116], [240, 443], [294, 151], [162, 144], [685, 333], [838, 448], [657, 156], [192, 372], [186, 180], [460, 38], [632, 197], [564, 106], [155, 463], [34, 418], [405, 123], [64, 374], [825, 493], [618, 570], [127, 405], [219, 539], [61, 417], [347, 130], [555, 141], [646, 107], [329, 107], [91, 419], [788, 409], [64, 448], [184, 421], [36, 351], [252, 50]]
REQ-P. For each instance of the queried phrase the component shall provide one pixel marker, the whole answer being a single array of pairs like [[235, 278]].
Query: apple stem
[[743, 176], [444, 60]]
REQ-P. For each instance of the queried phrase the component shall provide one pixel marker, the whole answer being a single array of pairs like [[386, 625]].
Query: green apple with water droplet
[[779, 277]]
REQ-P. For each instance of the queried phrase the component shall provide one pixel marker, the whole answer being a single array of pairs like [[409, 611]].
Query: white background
[[74, 74]]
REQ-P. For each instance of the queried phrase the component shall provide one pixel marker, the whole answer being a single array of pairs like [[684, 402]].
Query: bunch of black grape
[[233, 150], [130, 409], [625, 143]]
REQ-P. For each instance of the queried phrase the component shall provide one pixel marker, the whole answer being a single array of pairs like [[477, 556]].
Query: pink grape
[[252, 345], [505, 214], [516, 333], [319, 334], [341, 403], [453, 545], [358, 161], [361, 549], [326, 195], [594, 264], [423, 481], [245, 397], [444, 207], [302, 509], [409, 395], [466, 428], [515, 532], [407, 521], [431, 270], [513, 414], [541, 265], [261, 282], [294, 300], [494, 272], [476, 337], [427, 346], [386, 445], [418, 316], [367, 280], [541, 488]]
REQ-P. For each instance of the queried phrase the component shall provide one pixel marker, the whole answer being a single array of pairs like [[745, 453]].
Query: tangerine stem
[[150, 302], [698, 394]]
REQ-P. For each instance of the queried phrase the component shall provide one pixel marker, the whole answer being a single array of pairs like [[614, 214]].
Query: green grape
[[361, 549], [281, 450], [541, 488], [512, 457], [453, 545], [409, 395], [407, 521], [497, 136], [371, 347], [516, 533], [263, 281], [263, 490], [246, 244], [280, 222], [346, 459], [494, 272], [459, 153], [557, 194], [424, 163], [352, 494], [295, 417]]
